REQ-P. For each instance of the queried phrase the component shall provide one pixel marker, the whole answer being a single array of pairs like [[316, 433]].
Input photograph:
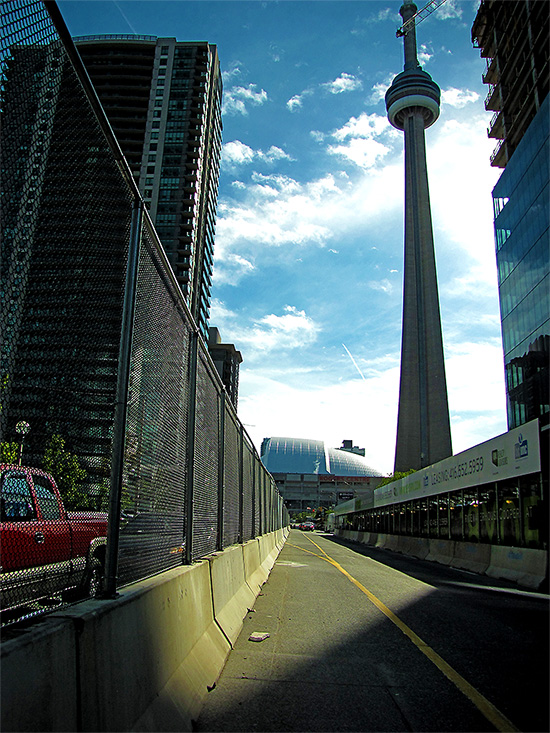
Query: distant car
[[307, 526]]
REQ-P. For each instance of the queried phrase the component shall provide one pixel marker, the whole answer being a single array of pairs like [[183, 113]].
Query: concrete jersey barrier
[[166, 640], [528, 567]]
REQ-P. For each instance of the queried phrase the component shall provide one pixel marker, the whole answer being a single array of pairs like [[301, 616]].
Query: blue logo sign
[[521, 448]]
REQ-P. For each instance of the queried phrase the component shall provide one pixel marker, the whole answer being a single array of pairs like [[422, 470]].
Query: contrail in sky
[[354, 362], [117, 6]]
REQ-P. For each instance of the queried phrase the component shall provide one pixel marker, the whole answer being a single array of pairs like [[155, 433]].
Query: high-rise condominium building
[[163, 100], [513, 36], [226, 359]]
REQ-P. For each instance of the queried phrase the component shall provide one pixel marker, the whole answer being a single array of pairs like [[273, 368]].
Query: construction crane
[[418, 17]]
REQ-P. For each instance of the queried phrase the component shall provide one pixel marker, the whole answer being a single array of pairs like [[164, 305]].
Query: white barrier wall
[[143, 661], [526, 566]]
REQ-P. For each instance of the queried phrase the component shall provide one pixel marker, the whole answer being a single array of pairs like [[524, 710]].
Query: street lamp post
[[22, 428]]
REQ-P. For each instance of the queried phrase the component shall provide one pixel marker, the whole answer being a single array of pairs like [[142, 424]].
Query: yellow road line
[[485, 707]]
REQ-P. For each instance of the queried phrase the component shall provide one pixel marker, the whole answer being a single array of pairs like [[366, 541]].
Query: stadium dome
[[300, 455]]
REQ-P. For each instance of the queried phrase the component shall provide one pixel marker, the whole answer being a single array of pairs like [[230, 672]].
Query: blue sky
[[309, 237]]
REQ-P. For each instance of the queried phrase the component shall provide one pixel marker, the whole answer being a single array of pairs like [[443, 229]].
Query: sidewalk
[[332, 661]]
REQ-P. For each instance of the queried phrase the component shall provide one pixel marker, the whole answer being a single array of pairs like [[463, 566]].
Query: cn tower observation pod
[[413, 89]]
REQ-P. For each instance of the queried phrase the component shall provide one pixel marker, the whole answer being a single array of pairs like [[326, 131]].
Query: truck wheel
[[94, 579]]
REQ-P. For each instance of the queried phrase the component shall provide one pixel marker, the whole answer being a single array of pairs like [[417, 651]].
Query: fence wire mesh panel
[[231, 479], [266, 507], [68, 199], [205, 488], [65, 221], [248, 489], [155, 461], [259, 500]]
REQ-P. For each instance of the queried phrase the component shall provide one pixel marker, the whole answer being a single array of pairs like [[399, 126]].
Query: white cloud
[[233, 270], [279, 211], [366, 125], [293, 330], [477, 398], [233, 72], [359, 143], [344, 83], [461, 181], [450, 9], [384, 286], [363, 409], [273, 154], [220, 315], [236, 153], [458, 97], [364, 153], [296, 102], [237, 99], [424, 55], [379, 90]]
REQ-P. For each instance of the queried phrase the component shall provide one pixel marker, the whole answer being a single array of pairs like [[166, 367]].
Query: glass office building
[[514, 39], [521, 208]]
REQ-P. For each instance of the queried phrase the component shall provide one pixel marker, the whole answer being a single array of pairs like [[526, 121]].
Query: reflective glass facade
[[522, 213]]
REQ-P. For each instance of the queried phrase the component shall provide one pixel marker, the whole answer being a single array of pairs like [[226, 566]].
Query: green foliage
[[301, 517], [396, 476], [9, 452], [65, 468]]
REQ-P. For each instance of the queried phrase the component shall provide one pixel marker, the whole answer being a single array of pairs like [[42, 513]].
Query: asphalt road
[[367, 640]]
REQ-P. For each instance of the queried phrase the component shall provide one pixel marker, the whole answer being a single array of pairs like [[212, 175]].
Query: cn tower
[[423, 425]]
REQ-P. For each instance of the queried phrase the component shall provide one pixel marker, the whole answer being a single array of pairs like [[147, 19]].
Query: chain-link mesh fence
[[191, 481]]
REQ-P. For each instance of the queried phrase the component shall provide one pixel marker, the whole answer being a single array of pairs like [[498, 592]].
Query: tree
[[68, 474], [395, 477], [9, 452]]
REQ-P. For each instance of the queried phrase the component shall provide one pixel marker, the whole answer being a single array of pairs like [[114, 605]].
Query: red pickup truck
[[45, 550]]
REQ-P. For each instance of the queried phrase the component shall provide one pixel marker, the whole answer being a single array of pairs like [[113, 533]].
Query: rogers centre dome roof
[[300, 455]]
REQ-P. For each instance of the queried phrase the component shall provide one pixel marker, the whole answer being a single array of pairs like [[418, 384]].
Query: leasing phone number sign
[[515, 453]]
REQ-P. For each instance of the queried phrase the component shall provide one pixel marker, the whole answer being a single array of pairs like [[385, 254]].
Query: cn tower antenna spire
[[423, 425], [407, 11]]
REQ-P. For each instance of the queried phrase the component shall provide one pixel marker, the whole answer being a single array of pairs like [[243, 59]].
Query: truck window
[[47, 499], [16, 501]]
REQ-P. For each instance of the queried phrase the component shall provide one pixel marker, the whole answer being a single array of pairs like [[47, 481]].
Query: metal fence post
[[193, 362], [121, 406], [221, 467], [241, 483], [255, 469]]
